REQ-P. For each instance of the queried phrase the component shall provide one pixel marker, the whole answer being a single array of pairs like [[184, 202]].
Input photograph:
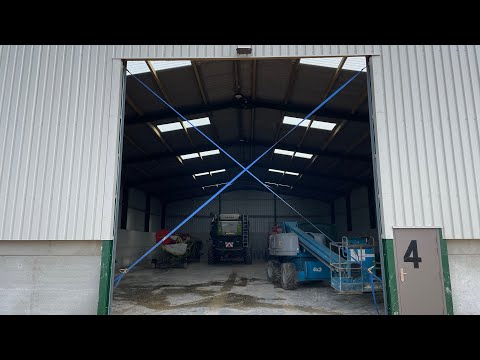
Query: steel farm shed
[[63, 112]]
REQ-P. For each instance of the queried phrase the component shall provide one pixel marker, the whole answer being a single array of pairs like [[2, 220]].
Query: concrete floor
[[225, 289]]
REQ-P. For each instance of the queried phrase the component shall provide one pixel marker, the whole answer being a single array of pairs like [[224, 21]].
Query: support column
[[332, 212], [146, 224], [274, 210], [164, 215], [372, 206], [348, 204], [124, 212]]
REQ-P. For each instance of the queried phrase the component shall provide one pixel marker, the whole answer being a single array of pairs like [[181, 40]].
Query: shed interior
[[323, 168]]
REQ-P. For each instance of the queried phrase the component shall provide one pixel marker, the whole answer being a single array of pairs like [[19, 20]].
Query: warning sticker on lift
[[229, 244], [360, 254]]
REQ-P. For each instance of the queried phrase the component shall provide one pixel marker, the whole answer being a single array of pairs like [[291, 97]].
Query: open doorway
[[323, 169]]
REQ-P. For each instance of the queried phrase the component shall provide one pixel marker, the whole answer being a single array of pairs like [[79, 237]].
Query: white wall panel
[[464, 263], [427, 130], [49, 277], [59, 127]]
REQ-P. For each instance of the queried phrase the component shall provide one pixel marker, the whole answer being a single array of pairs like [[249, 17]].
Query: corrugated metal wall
[[137, 204], [258, 205], [59, 133], [360, 215], [229, 51], [59, 126], [131, 245], [427, 101]]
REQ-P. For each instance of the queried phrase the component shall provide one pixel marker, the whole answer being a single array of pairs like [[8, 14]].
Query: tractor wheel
[[212, 257], [247, 255], [273, 271], [289, 276]]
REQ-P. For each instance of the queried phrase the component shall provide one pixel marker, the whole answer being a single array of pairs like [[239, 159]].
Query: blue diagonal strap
[[245, 169]]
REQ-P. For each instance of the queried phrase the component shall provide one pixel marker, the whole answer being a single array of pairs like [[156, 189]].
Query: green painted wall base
[[105, 278], [390, 277], [446, 274]]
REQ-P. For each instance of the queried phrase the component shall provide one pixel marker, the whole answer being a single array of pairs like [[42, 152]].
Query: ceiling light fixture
[[244, 49]]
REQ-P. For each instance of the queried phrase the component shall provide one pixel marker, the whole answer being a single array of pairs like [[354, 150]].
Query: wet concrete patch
[[228, 290]]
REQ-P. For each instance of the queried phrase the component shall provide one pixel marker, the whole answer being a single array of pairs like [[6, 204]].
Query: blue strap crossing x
[[245, 169]]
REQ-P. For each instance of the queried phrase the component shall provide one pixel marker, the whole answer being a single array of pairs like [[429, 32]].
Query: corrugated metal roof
[[142, 98], [351, 63], [234, 124], [182, 88], [139, 67], [273, 77], [145, 138], [217, 80], [349, 136]]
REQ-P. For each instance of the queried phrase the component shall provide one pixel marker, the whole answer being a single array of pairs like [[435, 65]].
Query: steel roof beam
[[140, 112], [252, 104], [203, 94], [312, 173], [315, 152], [182, 195], [332, 82], [164, 94]]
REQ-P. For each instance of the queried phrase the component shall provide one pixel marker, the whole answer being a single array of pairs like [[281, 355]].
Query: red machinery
[[159, 235]]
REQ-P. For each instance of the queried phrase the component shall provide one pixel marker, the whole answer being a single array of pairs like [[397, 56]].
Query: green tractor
[[229, 238]]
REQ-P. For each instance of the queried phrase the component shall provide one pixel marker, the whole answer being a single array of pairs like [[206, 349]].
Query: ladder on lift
[[245, 230]]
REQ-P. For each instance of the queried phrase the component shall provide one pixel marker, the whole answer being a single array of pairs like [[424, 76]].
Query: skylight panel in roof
[[283, 152], [284, 172], [170, 127], [189, 156], [213, 185], [209, 153], [303, 155], [137, 67], [178, 126], [355, 63], [268, 183], [290, 120], [170, 64], [293, 153], [197, 122], [322, 125], [200, 154], [208, 173], [331, 62]]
